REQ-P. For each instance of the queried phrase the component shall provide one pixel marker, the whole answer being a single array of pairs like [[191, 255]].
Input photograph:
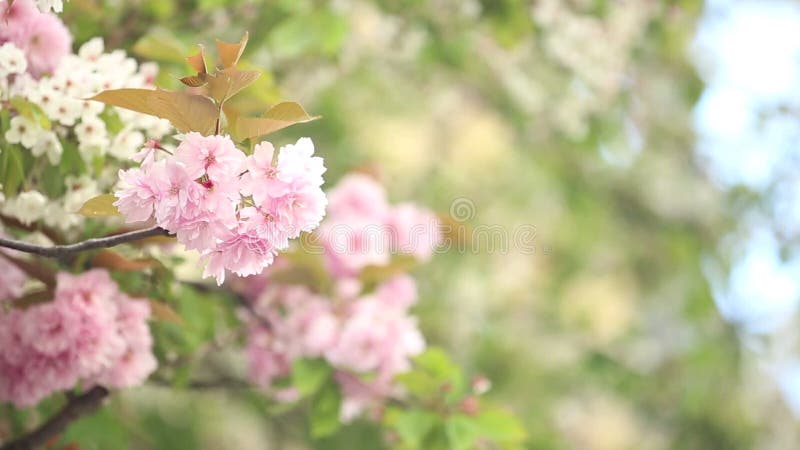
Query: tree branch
[[58, 251], [76, 407]]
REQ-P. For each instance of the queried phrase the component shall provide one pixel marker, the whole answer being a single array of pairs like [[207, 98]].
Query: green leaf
[[500, 426], [437, 363], [187, 112], [321, 32], [462, 432], [276, 118], [13, 170], [308, 375], [412, 425], [325, 406], [160, 45], [434, 374], [31, 111], [71, 161], [100, 206], [113, 123], [419, 383], [51, 181]]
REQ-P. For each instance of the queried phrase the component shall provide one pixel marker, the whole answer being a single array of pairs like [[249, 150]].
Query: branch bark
[[77, 407], [59, 251]]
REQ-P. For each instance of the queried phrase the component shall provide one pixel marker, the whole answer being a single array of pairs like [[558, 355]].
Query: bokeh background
[[652, 144]]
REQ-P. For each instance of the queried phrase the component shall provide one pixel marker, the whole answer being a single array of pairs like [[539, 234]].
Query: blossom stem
[[76, 407], [58, 251]]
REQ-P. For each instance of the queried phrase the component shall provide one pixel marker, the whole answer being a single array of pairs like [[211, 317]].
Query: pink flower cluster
[[362, 229], [90, 333], [366, 336], [368, 339], [237, 210], [42, 36]]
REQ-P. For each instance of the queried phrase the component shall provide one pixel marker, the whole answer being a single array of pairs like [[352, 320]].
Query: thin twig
[[76, 407], [58, 251]]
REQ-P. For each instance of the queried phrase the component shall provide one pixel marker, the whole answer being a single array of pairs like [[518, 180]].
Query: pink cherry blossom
[[136, 361], [42, 36], [360, 396], [398, 292], [369, 337], [298, 165], [374, 338], [138, 196], [299, 209], [261, 176], [18, 11], [243, 253], [238, 212], [363, 230], [178, 194], [352, 244], [89, 333], [215, 156], [413, 230], [358, 195]]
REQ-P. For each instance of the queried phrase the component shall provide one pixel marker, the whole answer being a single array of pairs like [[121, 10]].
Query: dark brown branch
[[58, 251], [76, 407]]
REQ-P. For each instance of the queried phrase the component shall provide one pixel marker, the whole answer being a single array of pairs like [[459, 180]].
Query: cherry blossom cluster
[[238, 211], [90, 333], [367, 338], [363, 229], [367, 335]]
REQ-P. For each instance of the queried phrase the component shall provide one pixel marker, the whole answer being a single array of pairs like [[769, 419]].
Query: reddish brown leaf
[[187, 112], [229, 54], [34, 298], [276, 118], [193, 81], [198, 60], [40, 272], [164, 312], [224, 84], [115, 261]]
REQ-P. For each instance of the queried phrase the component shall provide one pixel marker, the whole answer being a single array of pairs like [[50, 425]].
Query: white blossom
[[48, 144], [28, 206], [23, 131], [12, 60], [47, 5]]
